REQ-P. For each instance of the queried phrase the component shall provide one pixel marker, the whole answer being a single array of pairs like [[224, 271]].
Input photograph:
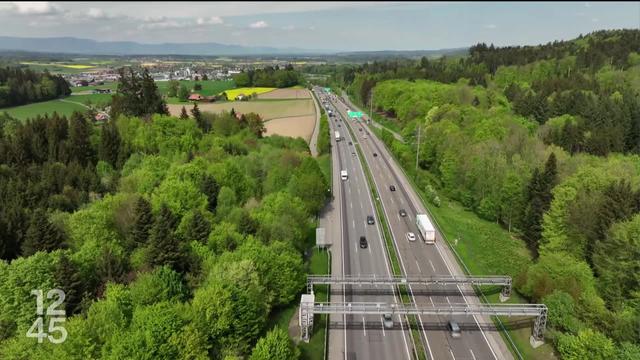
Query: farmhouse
[[196, 97]]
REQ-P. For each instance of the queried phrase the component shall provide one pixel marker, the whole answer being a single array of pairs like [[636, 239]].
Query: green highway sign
[[355, 114], [328, 90]]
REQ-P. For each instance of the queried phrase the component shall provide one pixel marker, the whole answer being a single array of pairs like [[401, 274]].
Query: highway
[[364, 337], [418, 258]]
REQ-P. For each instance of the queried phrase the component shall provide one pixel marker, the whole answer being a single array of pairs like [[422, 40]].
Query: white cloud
[[96, 13], [289, 28], [595, 20], [587, 5], [213, 20], [490, 26], [259, 25], [35, 7], [161, 22]]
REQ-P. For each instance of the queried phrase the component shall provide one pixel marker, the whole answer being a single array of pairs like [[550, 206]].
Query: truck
[[427, 231], [337, 136]]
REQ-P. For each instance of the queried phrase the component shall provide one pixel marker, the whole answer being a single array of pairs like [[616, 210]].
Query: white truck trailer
[[337, 133], [427, 231]]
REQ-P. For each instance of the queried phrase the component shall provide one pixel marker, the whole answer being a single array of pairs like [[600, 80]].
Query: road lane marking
[[418, 265], [364, 328], [451, 352], [448, 302], [351, 204], [353, 224], [361, 207], [432, 267], [432, 304], [382, 323], [472, 354]]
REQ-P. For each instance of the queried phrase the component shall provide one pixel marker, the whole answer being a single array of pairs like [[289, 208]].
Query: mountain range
[[71, 45]]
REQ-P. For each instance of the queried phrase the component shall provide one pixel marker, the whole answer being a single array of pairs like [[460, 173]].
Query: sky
[[340, 26]]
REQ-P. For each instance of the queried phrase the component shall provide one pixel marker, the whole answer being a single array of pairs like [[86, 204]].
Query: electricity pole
[[418, 148], [371, 107]]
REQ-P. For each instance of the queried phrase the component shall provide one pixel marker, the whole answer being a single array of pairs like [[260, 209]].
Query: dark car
[[392, 188], [363, 242], [350, 143], [339, 125], [375, 154], [370, 220], [360, 129], [403, 213]]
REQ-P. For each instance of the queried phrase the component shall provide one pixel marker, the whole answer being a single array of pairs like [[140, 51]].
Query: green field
[[209, 88], [28, 111], [109, 85]]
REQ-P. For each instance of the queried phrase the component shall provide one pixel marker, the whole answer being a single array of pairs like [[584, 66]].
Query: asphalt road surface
[[418, 258], [365, 337]]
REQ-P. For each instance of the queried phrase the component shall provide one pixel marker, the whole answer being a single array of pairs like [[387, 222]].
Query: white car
[[411, 236]]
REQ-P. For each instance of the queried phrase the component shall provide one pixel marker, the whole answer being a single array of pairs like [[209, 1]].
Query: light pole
[[418, 148], [371, 107]]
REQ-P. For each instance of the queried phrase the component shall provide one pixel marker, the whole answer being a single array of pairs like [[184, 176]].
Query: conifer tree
[[79, 137], [68, 279], [183, 114], [41, 235], [164, 246], [198, 228], [210, 187], [110, 143], [143, 222]]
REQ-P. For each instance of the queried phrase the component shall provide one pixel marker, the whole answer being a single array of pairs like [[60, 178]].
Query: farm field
[[31, 110], [288, 93], [78, 89], [294, 126], [267, 109], [209, 87], [231, 94]]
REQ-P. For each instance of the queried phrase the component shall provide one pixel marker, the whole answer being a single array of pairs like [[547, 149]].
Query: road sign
[[327, 90], [355, 114]]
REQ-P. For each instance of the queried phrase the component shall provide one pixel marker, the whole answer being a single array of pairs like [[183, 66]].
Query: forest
[[269, 77], [544, 141], [193, 226], [24, 86]]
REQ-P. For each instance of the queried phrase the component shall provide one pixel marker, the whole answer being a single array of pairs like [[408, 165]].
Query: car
[[392, 188], [363, 242], [370, 220], [353, 154], [339, 125], [360, 129], [375, 154], [454, 328], [387, 320], [411, 236], [350, 143], [403, 213]]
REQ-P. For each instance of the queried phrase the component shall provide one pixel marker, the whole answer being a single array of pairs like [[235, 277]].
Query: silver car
[[387, 320], [454, 328]]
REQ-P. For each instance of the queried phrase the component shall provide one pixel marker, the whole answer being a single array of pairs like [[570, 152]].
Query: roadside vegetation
[[543, 142], [195, 227]]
